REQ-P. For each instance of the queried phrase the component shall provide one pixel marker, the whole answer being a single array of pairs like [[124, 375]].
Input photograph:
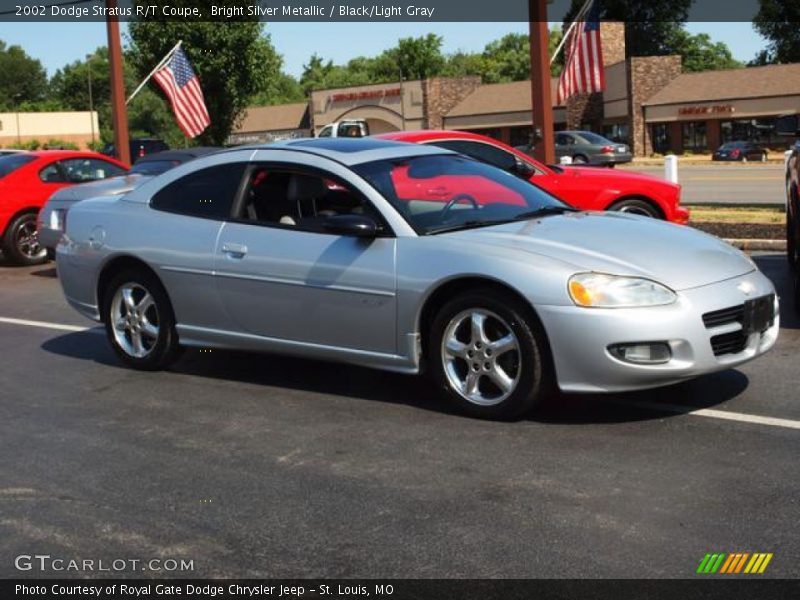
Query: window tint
[[52, 174], [482, 152], [81, 170], [208, 193], [593, 138], [298, 200], [326, 131], [12, 162], [562, 139]]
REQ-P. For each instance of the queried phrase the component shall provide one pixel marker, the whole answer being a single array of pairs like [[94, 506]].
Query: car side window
[[297, 200], [81, 170], [479, 151], [52, 174], [562, 139], [207, 193], [326, 131]]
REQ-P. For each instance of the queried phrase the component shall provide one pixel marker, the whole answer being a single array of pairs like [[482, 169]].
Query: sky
[[57, 44]]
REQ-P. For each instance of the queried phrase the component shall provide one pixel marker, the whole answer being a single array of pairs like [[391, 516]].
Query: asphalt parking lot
[[261, 466]]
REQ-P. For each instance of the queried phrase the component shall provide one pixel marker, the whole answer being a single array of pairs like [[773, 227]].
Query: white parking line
[[714, 414], [659, 406], [43, 324]]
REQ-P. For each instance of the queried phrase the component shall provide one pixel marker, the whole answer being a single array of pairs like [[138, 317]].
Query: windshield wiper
[[464, 225], [543, 211]]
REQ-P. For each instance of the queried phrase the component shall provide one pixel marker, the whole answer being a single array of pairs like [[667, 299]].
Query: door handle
[[234, 250]]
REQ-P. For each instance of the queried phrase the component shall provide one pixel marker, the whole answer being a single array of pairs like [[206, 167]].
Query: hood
[[621, 244], [606, 175], [104, 187]]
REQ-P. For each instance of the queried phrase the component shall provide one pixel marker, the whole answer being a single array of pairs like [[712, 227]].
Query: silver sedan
[[410, 258]]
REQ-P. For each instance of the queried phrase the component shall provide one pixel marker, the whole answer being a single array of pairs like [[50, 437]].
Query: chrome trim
[[295, 282]]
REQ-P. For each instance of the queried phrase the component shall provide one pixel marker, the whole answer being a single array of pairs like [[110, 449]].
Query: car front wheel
[[21, 242], [139, 322], [636, 206], [488, 355]]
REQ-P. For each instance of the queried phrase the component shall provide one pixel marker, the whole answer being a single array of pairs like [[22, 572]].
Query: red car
[[26, 182], [587, 188]]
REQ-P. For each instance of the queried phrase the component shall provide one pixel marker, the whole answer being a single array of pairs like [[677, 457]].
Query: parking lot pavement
[[727, 184], [265, 466]]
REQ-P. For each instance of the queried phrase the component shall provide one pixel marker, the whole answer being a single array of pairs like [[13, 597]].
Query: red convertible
[[27, 180], [587, 188]]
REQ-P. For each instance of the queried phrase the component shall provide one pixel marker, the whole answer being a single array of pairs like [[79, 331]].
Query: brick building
[[648, 103]]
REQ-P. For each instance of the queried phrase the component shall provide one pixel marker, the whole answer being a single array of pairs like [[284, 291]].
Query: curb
[[758, 245]]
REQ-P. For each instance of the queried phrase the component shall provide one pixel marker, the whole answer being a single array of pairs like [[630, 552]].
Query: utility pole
[[544, 149], [118, 110]]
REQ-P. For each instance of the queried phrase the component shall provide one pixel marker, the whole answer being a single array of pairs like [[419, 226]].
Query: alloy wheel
[[135, 320], [26, 239], [481, 357]]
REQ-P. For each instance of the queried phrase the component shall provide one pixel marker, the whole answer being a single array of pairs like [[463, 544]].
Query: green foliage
[[777, 20], [29, 145], [233, 60], [57, 144], [22, 78], [699, 53], [419, 58]]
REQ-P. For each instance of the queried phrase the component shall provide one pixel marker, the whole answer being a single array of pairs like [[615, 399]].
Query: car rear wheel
[[636, 206], [140, 325], [488, 355], [21, 242], [579, 159]]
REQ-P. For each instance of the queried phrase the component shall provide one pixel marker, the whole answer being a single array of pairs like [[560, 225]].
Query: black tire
[[637, 206], [163, 349], [21, 243], [580, 159], [791, 242], [532, 373], [797, 291]]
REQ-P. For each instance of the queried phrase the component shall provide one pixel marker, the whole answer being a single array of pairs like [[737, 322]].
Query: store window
[[493, 133], [694, 136], [520, 136], [617, 132], [659, 134], [759, 131]]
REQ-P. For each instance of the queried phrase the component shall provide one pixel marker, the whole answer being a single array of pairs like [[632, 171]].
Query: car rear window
[[12, 162], [153, 167], [593, 138]]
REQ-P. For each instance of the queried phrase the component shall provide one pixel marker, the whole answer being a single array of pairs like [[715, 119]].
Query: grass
[[744, 214]]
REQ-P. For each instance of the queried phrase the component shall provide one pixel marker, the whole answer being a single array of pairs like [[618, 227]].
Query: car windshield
[[153, 167], [593, 138], [12, 162], [731, 145], [448, 192]]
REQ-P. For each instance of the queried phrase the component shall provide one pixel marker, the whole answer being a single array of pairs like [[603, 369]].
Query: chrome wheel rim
[[481, 357], [135, 320], [27, 240], [635, 210]]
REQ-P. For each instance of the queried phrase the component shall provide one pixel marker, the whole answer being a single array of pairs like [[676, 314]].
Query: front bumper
[[681, 215], [580, 337]]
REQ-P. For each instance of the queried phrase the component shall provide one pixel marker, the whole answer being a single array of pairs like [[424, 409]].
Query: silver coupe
[[410, 258]]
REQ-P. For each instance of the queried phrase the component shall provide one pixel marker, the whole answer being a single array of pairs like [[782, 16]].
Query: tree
[[508, 59], [22, 78], [419, 58], [233, 60], [649, 26], [777, 20], [70, 84], [699, 53]]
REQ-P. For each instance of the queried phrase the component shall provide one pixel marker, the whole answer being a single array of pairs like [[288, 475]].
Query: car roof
[[183, 155], [351, 151], [67, 154], [431, 134]]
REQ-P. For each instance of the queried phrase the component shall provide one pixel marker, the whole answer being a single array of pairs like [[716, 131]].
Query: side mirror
[[352, 225], [524, 169]]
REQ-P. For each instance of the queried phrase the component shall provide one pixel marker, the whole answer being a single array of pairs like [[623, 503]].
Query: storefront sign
[[368, 95], [706, 110]]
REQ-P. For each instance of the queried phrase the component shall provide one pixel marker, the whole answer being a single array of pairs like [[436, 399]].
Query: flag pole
[[156, 68], [565, 37]]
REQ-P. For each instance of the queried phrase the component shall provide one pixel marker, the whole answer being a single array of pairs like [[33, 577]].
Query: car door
[[280, 275], [564, 143]]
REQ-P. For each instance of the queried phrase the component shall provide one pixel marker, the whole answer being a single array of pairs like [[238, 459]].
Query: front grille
[[734, 314], [729, 343]]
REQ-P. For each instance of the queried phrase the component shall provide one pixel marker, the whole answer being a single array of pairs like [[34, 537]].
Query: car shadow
[[776, 267], [306, 375], [48, 272]]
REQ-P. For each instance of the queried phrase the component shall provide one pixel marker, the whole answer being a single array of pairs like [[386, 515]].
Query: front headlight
[[597, 290]]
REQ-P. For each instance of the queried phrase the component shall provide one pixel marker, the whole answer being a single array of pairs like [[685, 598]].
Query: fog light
[[654, 353]]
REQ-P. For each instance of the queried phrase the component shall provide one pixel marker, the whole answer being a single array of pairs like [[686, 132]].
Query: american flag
[[583, 69], [182, 87]]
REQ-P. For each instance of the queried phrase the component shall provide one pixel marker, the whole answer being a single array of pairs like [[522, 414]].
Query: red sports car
[[26, 182], [587, 188]]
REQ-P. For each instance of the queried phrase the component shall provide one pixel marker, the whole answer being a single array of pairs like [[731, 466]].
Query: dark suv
[[139, 147], [791, 126]]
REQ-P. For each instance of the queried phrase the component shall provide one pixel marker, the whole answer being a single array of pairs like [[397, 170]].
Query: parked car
[[139, 147], [789, 126], [27, 180], [9, 151], [345, 128], [331, 249], [585, 147], [52, 217], [587, 189], [740, 151]]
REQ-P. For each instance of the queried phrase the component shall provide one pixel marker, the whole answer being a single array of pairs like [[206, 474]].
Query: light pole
[[118, 112]]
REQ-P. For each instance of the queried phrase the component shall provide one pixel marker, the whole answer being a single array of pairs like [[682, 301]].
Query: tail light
[[735, 153], [141, 151], [607, 150]]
